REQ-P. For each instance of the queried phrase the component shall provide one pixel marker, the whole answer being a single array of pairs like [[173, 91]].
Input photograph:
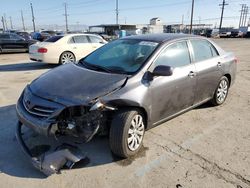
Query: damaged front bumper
[[51, 162]]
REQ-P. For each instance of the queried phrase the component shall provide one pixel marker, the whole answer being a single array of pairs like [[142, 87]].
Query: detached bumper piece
[[65, 156]]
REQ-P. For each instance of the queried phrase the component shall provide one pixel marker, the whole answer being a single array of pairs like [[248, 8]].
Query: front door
[[172, 94]]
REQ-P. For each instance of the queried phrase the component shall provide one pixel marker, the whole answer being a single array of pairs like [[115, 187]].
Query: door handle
[[192, 74], [219, 64]]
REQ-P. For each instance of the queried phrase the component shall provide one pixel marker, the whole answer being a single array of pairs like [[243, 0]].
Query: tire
[[221, 92], [123, 133], [67, 57]]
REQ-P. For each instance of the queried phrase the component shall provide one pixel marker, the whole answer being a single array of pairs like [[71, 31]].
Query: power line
[[33, 18], [222, 12]]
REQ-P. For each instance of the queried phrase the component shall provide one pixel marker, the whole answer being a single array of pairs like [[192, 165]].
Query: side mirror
[[162, 70]]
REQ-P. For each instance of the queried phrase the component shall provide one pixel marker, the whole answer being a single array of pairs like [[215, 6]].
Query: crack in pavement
[[210, 167]]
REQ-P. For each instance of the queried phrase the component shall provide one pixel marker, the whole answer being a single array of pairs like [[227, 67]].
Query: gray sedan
[[124, 88]]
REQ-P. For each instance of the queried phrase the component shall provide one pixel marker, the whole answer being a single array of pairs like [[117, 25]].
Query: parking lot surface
[[205, 147]]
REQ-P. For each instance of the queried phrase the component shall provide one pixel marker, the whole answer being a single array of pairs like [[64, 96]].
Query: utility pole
[[66, 17], [241, 13], [3, 24], [222, 12], [23, 20], [33, 18], [5, 21], [11, 26], [245, 18], [192, 15], [117, 12]]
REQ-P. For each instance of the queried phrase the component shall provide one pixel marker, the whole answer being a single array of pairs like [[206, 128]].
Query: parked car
[[24, 35], [65, 49], [124, 88], [51, 33], [227, 33], [11, 42]]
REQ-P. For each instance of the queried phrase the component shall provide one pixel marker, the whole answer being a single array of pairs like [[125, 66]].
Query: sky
[[93, 12]]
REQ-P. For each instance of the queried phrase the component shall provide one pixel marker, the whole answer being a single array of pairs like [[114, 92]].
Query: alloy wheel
[[222, 91], [67, 57], [135, 133]]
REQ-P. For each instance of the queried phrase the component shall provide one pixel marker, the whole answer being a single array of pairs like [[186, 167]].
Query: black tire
[[61, 61], [119, 135], [215, 101]]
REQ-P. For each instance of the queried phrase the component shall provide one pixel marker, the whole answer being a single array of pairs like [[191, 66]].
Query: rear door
[[96, 42], [18, 42], [208, 67], [80, 46], [172, 94]]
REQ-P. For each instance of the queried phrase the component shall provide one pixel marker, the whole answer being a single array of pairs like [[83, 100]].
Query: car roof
[[77, 34], [160, 38]]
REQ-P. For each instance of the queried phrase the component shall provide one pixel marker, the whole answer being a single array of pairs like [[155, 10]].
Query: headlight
[[100, 105]]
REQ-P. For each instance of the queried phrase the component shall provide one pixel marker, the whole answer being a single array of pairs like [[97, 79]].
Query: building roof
[[156, 18], [163, 37]]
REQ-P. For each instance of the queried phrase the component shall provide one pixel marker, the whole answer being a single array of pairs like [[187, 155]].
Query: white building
[[155, 26]]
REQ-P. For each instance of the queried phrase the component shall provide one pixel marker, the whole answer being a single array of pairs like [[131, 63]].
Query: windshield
[[120, 56]]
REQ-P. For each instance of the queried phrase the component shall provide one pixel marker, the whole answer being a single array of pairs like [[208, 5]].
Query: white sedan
[[65, 49]]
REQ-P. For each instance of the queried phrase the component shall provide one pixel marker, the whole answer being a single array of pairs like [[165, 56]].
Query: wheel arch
[[59, 60], [127, 104], [229, 78]]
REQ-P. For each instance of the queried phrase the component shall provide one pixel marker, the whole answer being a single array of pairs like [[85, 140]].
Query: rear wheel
[[67, 57], [221, 91], [127, 132]]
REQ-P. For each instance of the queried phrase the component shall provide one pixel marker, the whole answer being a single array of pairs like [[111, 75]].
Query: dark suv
[[11, 42], [126, 87]]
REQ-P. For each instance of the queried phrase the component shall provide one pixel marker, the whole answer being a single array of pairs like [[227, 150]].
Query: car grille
[[39, 111]]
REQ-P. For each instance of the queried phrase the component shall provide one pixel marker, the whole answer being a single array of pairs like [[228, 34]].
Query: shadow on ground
[[14, 163], [25, 66], [205, 105]]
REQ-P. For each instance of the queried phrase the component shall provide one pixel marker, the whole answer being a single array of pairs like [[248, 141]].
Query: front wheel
[[221, 91], [127, 132], [67, 57]]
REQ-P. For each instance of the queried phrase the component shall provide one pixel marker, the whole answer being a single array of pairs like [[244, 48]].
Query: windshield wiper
[[95, 67]]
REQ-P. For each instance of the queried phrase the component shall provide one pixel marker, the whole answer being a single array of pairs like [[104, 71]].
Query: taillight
[[236, 60], [42, 50]]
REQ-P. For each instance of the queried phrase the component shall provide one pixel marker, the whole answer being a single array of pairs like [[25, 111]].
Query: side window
[[203, 50], [95, 39], [4, 36], [176, 55], [81, 39], [15, 37], [71, 40]]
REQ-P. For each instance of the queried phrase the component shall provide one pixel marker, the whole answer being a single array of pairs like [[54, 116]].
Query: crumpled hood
[[71, 83]]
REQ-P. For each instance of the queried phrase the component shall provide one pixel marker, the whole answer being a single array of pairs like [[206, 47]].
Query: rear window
[[53, 39], [94, 39], [203, 50]]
